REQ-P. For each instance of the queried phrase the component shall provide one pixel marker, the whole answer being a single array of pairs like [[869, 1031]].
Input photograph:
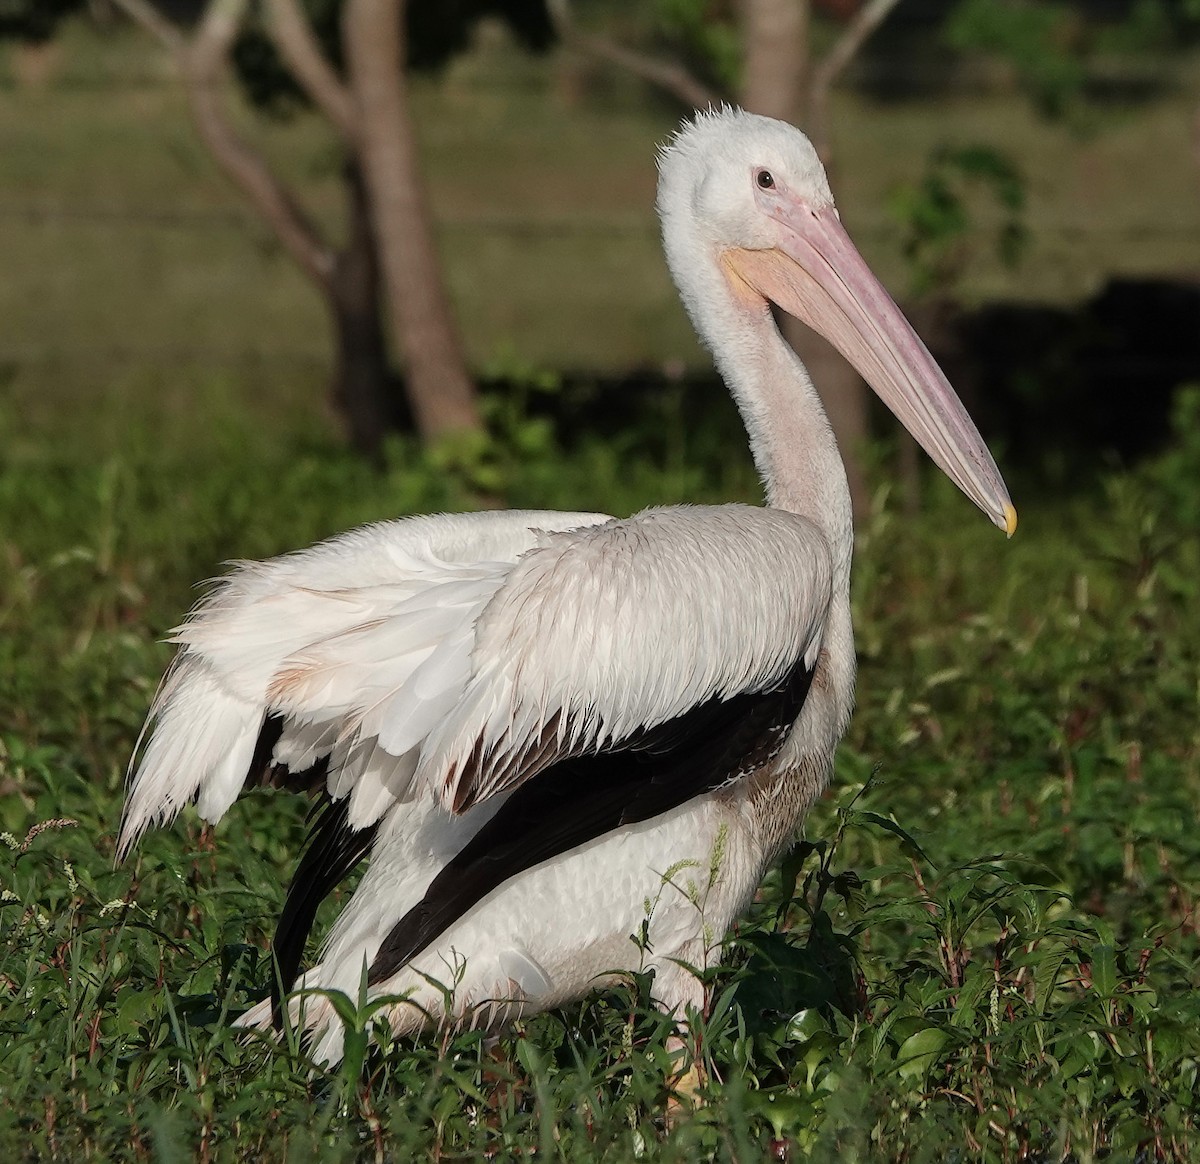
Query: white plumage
[[556, 730]]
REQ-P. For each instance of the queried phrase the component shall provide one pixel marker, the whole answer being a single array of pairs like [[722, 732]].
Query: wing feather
[[323, 638], [607, 632], [462, 655]]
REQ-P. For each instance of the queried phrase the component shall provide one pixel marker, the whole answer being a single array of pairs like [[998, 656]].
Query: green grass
[[985, 950], [987, 947]]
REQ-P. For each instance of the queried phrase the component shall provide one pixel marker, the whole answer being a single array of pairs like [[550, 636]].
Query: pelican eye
[[764, 179]]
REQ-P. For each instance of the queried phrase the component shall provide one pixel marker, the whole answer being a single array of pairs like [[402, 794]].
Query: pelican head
[[749, 220]]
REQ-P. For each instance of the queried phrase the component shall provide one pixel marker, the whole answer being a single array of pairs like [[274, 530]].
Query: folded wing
[[461, 655], [301, 647]]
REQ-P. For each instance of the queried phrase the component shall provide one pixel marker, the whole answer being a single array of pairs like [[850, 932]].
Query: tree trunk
[[775, 83], [363, 388], [775, 57], [441, 392]]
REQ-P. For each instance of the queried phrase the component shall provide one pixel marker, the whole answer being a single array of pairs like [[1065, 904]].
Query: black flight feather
[[579, 799], [262, 763], [331, 853]]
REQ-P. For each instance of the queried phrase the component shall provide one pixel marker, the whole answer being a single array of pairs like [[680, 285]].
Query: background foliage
[[987, 943], [986, 947]]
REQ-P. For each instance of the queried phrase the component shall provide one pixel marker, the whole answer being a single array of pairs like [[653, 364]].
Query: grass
[[986, 949]]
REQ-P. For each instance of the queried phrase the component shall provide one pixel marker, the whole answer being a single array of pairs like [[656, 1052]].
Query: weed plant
[[985, 948]]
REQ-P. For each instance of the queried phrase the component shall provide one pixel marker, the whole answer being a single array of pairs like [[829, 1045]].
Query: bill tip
[[1010, 520]]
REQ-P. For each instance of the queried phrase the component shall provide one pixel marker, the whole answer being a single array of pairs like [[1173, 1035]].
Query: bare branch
[[205, 63], [144, 14], [669, 76], [864, 22], [214, 37], [202, 62], [856, 33], [292, 34]]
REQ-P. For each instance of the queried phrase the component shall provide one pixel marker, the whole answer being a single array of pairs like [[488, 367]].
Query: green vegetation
[[988, 946], [985, 950]]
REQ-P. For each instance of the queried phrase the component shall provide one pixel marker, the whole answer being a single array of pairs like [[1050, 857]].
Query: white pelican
[[554, 732]]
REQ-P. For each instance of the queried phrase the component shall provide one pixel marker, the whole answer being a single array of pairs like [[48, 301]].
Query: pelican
[[571, 744]]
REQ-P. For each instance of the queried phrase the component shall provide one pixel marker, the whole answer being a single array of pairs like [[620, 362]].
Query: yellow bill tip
[[1010, 520]]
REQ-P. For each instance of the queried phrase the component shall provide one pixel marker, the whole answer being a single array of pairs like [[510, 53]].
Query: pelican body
[[571, 744]]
